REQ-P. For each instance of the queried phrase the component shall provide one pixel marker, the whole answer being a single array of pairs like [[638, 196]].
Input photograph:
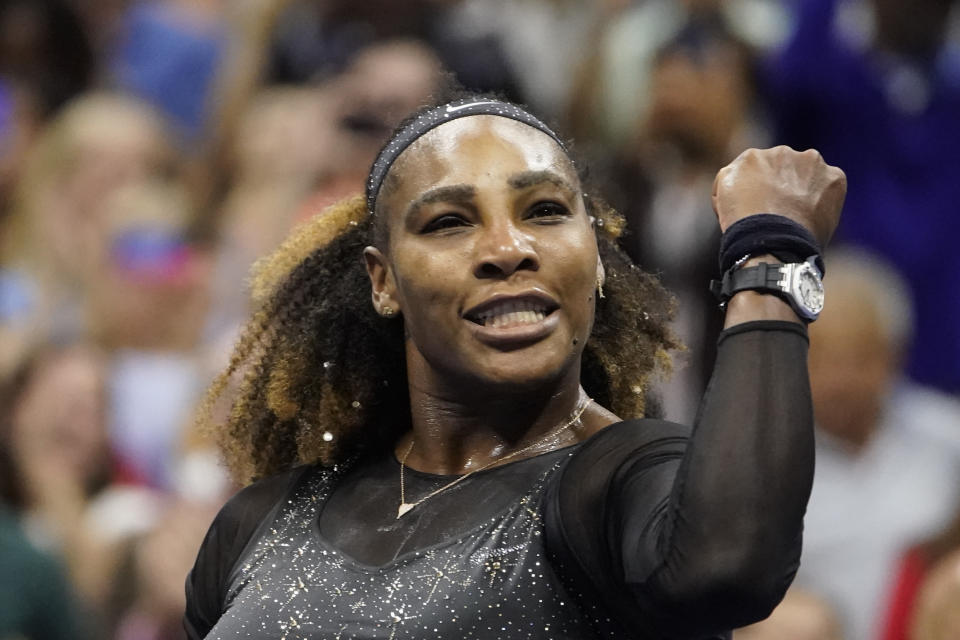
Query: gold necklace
[[405, 506]]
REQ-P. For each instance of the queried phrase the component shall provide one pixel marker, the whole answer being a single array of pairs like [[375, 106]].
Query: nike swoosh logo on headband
[[452, 109]]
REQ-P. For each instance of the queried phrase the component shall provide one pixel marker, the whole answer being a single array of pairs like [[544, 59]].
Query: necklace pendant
[[404, 508]]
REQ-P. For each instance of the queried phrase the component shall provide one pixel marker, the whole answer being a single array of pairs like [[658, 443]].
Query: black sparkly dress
[[646, 530]]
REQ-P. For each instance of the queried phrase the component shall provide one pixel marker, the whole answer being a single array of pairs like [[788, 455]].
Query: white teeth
[[512, 313]]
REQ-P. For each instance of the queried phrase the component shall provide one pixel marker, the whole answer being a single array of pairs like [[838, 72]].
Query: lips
[[513, 321]]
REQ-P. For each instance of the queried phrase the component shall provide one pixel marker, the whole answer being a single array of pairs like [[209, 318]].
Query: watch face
[[809, 289]]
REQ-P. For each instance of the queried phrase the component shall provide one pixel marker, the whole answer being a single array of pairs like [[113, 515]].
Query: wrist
[[761, 288]]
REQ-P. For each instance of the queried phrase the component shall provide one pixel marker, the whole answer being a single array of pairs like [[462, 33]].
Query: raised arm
[[686, 534]]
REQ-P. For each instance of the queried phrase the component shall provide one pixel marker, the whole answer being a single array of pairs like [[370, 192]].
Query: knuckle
[[740, 159]]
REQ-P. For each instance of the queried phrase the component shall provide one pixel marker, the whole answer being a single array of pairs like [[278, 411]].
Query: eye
[[444, 222], [547, 211]]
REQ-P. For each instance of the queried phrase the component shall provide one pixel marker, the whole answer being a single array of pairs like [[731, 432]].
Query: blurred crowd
[[152, 150]]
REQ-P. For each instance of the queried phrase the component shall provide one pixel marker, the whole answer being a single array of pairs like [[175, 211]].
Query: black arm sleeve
[[685, 534], [223, 546]]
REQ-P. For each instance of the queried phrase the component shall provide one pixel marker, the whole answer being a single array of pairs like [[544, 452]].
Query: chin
[[522, 369], [501, 368]]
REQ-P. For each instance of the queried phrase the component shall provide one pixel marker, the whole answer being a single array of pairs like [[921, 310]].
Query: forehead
[[478, 151]]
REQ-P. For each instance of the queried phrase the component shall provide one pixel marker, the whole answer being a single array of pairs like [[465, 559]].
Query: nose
[[503, 250]]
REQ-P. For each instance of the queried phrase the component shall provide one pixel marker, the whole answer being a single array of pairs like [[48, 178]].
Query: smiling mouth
[[511, 313]]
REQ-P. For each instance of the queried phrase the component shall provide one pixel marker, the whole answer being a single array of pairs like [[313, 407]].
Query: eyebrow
[[527, 179], [452, 193], [465, 192]]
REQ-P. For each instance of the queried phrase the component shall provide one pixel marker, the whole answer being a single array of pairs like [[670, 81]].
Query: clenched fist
[[797, 185]]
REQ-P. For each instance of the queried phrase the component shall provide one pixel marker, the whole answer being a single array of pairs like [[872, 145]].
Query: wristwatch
[[797, 283]]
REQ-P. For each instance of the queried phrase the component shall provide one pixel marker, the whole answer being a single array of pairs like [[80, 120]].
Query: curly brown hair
[[322, 377]]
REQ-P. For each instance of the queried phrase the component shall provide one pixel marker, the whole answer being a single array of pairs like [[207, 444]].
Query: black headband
[[435, 117]]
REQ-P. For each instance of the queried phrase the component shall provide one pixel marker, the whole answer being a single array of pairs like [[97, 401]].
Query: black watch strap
[[765, 277]]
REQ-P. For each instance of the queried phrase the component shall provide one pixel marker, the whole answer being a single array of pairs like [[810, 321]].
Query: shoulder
[[241, 516], [250, 505], [635, 434], [228, 537], [629, 448]]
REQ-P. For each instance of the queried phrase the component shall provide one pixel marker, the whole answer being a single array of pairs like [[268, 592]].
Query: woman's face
[[491, 257], [59, 422]]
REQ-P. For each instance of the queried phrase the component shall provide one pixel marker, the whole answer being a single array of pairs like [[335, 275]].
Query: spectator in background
[[59, 473], [888, 472], [52, 237], [883, 103], [316, 40], [271, 167], [529, 32], [613, 81], [701, 115], [918, 566], [147, 305]]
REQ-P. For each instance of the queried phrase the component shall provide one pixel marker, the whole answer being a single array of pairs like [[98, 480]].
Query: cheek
[[425, 281], [580, 292], [577, 261], [575, 279]]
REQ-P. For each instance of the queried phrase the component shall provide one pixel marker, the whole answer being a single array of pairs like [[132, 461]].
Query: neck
[[456, 431]]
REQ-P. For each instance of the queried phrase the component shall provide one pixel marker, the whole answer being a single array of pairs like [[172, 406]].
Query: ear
[[382, 283]]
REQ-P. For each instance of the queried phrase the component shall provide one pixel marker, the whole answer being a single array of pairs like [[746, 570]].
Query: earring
[[599, 286], [388, 312]]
